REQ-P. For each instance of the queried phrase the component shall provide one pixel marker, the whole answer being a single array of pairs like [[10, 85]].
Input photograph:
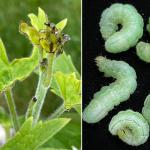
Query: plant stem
[[43, 86], [48, 74], [40, 95], [30, 108], [58, 112], [12, 108]]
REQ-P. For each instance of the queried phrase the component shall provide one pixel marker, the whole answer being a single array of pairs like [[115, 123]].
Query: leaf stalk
[[12, 108]]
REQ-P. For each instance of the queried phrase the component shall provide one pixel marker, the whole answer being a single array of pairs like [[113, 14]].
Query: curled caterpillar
[[143, 51], [146, 109], [112, 95], [143, 48], [148, 25], [130, 126], [131, 31]]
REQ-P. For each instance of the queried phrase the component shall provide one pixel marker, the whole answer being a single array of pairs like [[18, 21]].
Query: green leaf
[[31, 138], [69, 136], [38, 21], [18, 69], [3, 55], [5, 73], [34, 21], [22, 68], [5, 76], [61, 25], [42, 17], [64, 64], [68, 88]]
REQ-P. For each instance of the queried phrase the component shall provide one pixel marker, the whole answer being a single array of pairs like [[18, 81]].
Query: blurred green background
[[11, 13]]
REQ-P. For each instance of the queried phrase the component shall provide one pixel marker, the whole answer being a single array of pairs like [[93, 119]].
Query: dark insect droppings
[[34, 99]]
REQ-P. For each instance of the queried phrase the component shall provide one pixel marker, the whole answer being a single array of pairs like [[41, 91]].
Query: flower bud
[[31, 32]]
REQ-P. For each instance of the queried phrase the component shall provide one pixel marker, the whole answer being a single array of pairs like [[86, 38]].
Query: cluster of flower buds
[[50, 39]]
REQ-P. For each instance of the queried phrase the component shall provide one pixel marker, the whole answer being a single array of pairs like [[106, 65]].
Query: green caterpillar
[[131, 31], [143, 48], [146, 109], [112, 95], [130, 126], [143, 51]]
